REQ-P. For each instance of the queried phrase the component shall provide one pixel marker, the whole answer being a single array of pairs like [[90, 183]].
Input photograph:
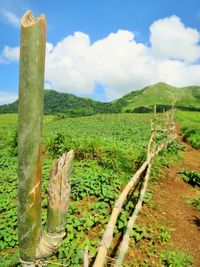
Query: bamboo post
[[31, 83]]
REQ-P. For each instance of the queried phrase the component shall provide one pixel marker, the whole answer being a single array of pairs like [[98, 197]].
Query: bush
[[176, 258], [191, 177]]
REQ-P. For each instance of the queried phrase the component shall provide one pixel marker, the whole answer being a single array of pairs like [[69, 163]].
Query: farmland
[[108, 149]]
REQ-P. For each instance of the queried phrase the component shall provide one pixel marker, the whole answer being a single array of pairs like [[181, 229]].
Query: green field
[[108, 149]]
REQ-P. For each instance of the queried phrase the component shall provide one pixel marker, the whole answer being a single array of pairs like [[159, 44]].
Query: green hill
[[55, 102], [160, 94]]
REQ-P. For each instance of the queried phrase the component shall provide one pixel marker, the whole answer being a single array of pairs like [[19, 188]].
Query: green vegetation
[[195, 201], [176, 258], [190, 127], [162, 95], [191, 177], [141, 101], [108, 149]]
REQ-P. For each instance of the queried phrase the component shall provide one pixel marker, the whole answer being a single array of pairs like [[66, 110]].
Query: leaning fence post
[[31, 84]]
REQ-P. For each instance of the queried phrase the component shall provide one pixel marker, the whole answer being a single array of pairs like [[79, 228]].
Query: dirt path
[[171, 208], [184, 218]]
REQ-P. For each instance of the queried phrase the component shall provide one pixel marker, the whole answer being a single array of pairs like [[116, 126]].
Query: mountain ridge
[[160, 94]]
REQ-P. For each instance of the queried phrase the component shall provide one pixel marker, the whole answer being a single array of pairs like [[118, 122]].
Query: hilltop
[[160, 94]]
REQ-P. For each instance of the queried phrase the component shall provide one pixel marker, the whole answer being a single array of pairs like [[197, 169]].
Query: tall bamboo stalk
[[31, 83]]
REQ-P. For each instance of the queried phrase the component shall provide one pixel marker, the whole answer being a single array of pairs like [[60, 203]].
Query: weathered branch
[[85, 258], [31, 83], [132, 219], [126, 238], [58, 203], [108, 234]]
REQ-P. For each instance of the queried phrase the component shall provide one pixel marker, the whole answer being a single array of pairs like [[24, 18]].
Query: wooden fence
[[154, 148]]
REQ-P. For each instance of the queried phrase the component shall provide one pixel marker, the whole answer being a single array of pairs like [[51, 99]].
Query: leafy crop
[[176, 258], [195, 201], [108, 149], [191, 177]]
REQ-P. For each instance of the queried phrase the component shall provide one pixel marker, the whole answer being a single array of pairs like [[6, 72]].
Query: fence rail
[[154, 148]]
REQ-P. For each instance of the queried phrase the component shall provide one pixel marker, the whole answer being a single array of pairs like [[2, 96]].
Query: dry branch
[[126, 238], [108, 234], [85, 258]]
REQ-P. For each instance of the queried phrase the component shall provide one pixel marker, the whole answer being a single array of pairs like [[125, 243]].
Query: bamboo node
[[48, 244], [26, 263]]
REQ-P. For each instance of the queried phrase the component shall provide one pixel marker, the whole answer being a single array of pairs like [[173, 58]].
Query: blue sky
[[105, 49]]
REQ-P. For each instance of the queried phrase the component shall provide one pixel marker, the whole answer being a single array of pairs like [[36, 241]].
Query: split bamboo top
[[28, 19]]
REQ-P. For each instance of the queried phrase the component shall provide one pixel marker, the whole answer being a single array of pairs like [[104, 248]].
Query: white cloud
[[171, 39], [119, 63], [7, 97], [179, 73], [10, 54], [68, 64], [11, 18]]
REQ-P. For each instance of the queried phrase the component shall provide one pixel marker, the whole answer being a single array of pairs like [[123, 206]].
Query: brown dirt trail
[[184, 218], [172, 208]]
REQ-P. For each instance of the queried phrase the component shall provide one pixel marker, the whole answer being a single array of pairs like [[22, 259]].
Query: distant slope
[[55, 102], [160, 94]]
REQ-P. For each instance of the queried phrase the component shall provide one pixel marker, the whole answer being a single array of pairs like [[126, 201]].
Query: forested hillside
[[140, 101]]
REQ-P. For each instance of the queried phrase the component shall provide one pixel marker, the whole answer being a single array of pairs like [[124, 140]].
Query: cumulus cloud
[[7, 97], [171, 39], [10, 54], [11, 18], [121, 64]]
